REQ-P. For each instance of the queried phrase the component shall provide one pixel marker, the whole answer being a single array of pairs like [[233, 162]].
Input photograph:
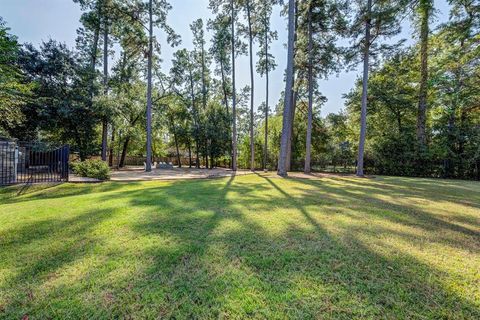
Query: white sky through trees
[[36, 20]]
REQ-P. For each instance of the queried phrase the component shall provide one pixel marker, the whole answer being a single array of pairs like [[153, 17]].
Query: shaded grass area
[[247, 247]]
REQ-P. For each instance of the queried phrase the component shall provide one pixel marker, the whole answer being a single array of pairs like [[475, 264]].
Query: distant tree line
[[414, 111]]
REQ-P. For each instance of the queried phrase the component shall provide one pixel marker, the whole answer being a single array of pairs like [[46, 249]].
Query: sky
[[35, 21]]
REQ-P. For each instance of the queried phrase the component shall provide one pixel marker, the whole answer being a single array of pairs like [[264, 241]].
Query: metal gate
[[32, 163]]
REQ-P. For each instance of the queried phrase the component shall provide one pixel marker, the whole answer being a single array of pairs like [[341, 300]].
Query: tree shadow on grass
[[397, 284], [303, 272], [17, 194], [37, 253], [405, 213], [466, 193], [237, 248]]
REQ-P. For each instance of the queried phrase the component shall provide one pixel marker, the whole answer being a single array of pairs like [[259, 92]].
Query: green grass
[[249, 247]]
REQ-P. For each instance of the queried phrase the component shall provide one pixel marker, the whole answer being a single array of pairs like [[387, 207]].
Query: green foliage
[[385, 21], [319, 141], [54, 93], [453, 118], [266, 36], [14, 89], [328, 24], [339, 149], [96, 169], [62, 108]]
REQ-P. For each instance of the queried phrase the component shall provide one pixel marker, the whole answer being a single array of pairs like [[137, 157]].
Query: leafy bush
[[92, 169]]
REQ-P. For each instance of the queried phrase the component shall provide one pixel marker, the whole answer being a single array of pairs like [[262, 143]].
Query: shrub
[[92, 169]]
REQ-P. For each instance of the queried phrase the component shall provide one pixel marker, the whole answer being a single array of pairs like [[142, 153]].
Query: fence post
[[67, 157]]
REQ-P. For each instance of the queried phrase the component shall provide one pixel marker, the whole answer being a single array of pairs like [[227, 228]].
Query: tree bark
[[105, 89], [292, 115], [112, 141], [93, 63], [422, 96], [224, 88], [195, 120], [287, 123], [307, 168], [294, 93], [252, 87], [460, 130], [206, 156], [204, 80], [363, 120], [148, 162], [212, 164], [265, 159], [449, 163], [124, 152], [189, 154], [461, 144], [176, 141], [234, 98], [225, 96], [204, 97]]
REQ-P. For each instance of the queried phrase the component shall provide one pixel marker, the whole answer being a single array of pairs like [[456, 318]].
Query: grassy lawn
[[249, 247]]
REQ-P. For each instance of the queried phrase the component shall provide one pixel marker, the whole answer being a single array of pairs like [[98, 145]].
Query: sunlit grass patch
[[251, 246]]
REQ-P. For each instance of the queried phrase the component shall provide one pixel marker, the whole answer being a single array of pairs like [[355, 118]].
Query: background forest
[[417, 106]]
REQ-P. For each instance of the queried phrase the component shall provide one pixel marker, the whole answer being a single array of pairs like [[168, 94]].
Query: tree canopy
[[415, 111]]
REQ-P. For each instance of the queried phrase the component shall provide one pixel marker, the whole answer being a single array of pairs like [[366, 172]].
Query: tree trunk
[[112, 138], [93, 63], [104, 138], [112, 141], [363, 120], [176, 142], [204, 96], [225, 96], [124, 152], [148, 162], [204, 80], [399, 122], [234, 97], [197, 154], [287, 123], [292, 116], [294, 94], [189, 154], [449, 163], [422, 96], [477, 164], [78, 140], [265, 156], [172, 124], [206, 157], [460, 130], [224, 88], [195, 120], [461, 144], [307, 168], [105, 89], [252, 87]]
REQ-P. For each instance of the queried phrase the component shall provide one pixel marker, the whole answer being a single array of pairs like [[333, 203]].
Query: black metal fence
[[342, 167], [32, 163]]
